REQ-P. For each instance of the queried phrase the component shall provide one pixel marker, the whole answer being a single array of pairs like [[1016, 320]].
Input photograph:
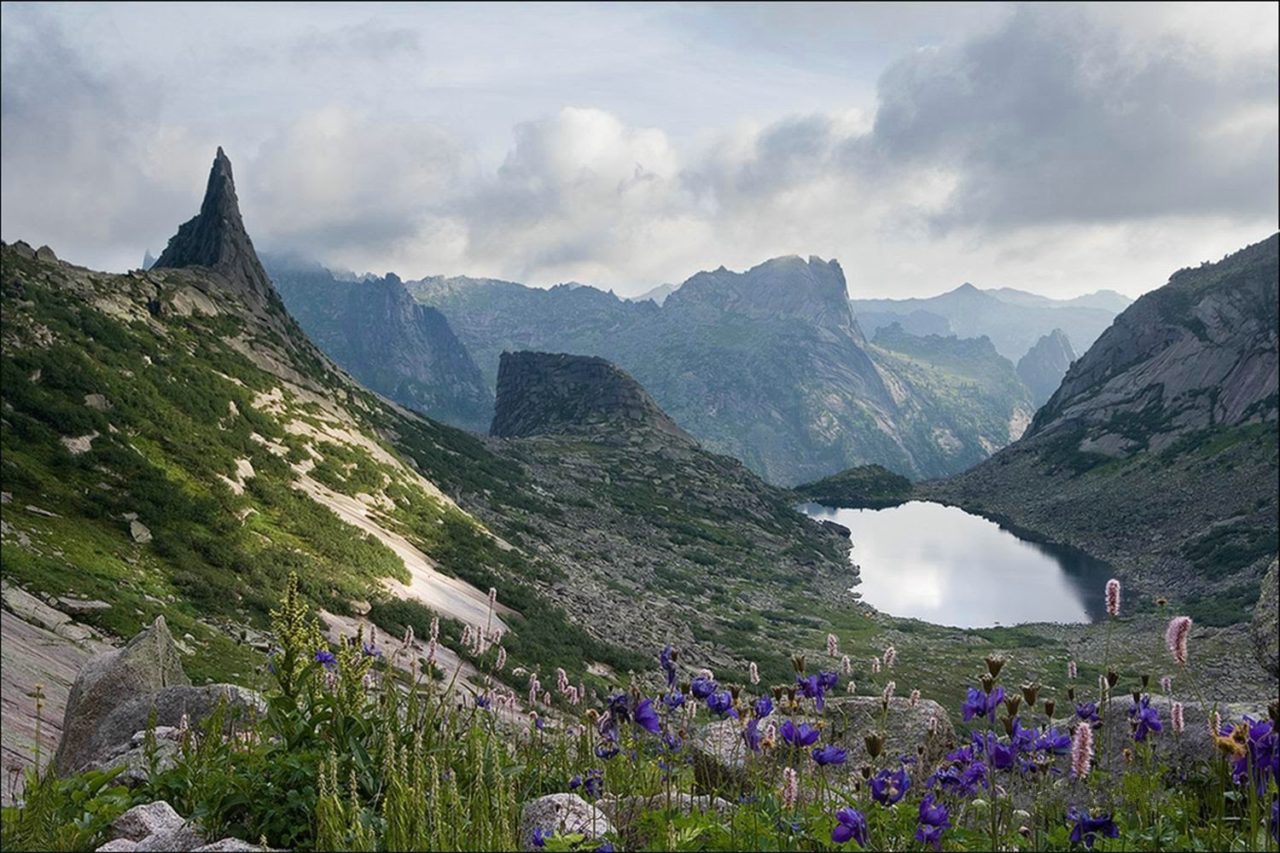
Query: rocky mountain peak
[[543, 393], [1044, 365], [785, 287], [216, 236]]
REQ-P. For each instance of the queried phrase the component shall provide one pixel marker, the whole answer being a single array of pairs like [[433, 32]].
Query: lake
[[943, 565]]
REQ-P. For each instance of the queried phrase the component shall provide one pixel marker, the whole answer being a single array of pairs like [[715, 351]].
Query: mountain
[[767, 365], [1158, 452], [1107, 300], [387, 341], [147, 260], [1044, 365], [171, 443], [657, 294], [1013, 320]]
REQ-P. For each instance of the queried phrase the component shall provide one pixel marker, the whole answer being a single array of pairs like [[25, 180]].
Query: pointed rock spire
[[216, 238]]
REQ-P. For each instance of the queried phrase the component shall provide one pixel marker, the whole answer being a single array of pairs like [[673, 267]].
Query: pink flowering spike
[[833, 645], [890, 657], [915, 698], [1082, 750], [887, 693], [846, 665], [1072, 672], [1113, 597], [1179, 721], [502, 659], [851, 687], [1175, 636], [933, 724], [875, 665], [790, 788], [754, 673], [1166, 683], [1215, 724]]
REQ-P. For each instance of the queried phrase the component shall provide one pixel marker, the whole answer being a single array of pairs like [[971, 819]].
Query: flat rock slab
[[562, 814]]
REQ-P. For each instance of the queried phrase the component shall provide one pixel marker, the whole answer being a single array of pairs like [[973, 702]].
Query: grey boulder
[[562, 814]]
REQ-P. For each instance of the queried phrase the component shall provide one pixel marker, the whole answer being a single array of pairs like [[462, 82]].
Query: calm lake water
[[943, 565]]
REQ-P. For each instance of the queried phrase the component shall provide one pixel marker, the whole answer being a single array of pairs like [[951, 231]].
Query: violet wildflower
[[1087, 828], [702, 687], [751, 735], [592, 783], [763, 706], [851, 825], [607, 749], [829, 754], [667, 658], [887, 787], [674, 699], [1146, 717], [540, 836], [482, 701], [646, 717], [1259, 759], [980, 704], [1088, 712], [1113, 597], [1175, 636], [721, 704], [933, 820], [326, 658], [828, 680], [798, 736]]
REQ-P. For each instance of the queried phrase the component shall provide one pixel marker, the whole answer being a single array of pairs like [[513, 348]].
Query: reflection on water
[[943, 565]]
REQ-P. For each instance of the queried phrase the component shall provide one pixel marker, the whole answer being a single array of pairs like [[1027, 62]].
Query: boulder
[[140, 532], [148, 664], [180, 838], [562, 814], [118, 845], [229, 845], [1179, 750], [1266, 623], [907, 727], [148, 819]]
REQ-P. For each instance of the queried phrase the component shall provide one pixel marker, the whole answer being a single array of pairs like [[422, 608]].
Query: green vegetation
[[870, 486]]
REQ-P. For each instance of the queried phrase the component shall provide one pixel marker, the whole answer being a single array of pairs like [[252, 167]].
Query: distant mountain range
[[769, 365], [1014, 320], [1158, 451]]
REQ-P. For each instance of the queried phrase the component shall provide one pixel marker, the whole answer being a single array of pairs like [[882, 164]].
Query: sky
[[1056, 148]]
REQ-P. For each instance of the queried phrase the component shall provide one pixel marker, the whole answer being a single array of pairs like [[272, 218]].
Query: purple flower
[[668, 665], [608, 749], [981, 704], [371, 651], [540, 837], [933, 820], [751, 735], [672, 742], [702, 687], [324, 656], [1052, 740], [605, 848], [1088, 712], [721, 704], [798, 736], [619, 708], [889, 787], [1261, 759], [829, 754], [674, 699], [592, 783], [851, 825], [763, 706], [828, 680], [647, 718], [1001, 754], [482, 700], [815, 687], [1148, 719], [1087, 827]]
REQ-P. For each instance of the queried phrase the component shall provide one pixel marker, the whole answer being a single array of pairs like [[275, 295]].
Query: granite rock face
[[547, 394], [148, 664], [1044, 365]]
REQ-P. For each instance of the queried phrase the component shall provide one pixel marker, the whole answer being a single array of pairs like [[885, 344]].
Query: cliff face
[[1197, 353], [1044, 365], [551, 393], [1159, 450], [376, 331]]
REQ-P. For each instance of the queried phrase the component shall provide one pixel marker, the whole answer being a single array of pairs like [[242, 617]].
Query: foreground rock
[[1180, 750], [113, 696], [562, 814], [156, 826], [1266, 623]]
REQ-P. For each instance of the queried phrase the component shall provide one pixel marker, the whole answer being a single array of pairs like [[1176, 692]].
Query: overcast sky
[[1055, 148]]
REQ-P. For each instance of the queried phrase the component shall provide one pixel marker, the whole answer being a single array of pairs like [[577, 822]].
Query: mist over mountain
[[1014, 320]]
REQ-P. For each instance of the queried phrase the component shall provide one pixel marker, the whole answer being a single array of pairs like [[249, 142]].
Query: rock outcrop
[[549, 394], [113, 697], [1266, 630], [157, 827], [562, 814], [1044, 365], [216, 237]]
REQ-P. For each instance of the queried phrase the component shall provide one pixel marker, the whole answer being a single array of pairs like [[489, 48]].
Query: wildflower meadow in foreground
[[367, 747]]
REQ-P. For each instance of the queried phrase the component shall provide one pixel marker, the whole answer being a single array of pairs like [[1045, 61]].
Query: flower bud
[[1029, 692], [1112, 677], [1049, 706], [1012, 702], [988, 682], [995, 663], [874, 743]]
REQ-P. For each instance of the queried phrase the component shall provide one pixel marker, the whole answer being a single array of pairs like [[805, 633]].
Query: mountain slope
[[1044, 365], [1013, 320], [1159, 450], [391, 344], [767, 365]]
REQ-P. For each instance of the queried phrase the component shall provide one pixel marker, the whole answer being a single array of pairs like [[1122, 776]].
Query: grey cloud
[[1057, 117]]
